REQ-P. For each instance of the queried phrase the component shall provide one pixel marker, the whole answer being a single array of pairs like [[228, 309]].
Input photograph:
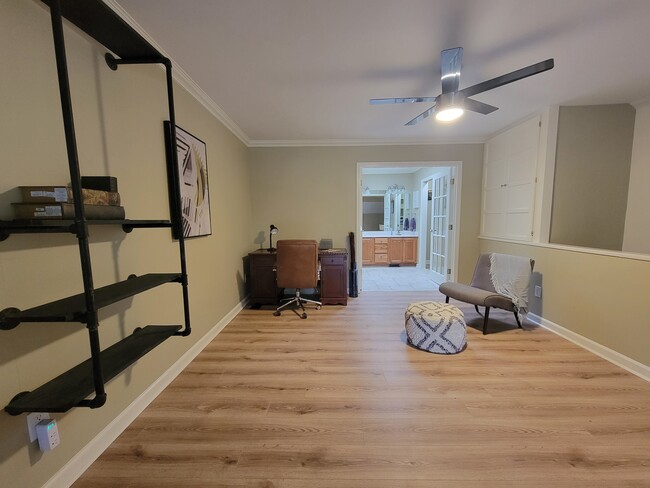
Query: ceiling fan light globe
[[449, 114]]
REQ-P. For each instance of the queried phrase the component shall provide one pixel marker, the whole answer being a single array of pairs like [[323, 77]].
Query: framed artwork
[[194, 195]]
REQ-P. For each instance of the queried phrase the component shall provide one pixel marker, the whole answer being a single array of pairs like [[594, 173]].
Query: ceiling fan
[[452, 102]]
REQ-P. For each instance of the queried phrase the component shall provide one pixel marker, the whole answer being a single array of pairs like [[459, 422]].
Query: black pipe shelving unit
[[74, 387]]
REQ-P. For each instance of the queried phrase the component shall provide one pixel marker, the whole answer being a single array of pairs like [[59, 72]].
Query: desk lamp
[[272, 230]]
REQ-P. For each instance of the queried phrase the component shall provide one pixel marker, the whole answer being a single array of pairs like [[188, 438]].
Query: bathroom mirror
[[373, 212], [389, 211]]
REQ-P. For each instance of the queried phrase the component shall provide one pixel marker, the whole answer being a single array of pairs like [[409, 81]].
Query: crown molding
[[182, 77], [641, 102], [359, 142], [184, 80]]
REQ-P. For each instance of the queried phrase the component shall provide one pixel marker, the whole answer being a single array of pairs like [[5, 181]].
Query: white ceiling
[[296, 71]]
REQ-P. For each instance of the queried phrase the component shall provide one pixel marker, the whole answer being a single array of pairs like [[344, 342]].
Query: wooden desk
[[333, 277]]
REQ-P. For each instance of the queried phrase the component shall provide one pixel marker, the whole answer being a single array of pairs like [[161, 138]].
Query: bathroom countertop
[[388, 233]]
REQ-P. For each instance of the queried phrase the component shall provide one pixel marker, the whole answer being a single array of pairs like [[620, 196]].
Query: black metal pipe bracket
[[6, 322], [113, 62]]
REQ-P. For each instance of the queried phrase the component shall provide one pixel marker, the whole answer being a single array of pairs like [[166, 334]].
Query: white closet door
[[509, 182]]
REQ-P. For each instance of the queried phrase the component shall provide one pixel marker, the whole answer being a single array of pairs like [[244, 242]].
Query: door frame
[[457, 173]]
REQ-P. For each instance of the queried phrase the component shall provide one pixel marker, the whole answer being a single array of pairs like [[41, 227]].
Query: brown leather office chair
[[297, 267]]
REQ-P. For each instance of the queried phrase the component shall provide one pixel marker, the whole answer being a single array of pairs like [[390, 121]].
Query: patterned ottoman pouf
[[436, 327]]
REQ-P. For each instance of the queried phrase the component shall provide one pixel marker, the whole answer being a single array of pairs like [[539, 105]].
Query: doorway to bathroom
[[407, 217]]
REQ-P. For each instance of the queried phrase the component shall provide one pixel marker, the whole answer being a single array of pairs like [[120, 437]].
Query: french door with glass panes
[[439, 248]]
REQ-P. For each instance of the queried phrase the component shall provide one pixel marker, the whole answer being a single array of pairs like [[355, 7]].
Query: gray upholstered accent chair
[[480, 292]]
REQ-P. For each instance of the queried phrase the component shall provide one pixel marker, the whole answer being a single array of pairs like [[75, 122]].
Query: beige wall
[[119, 118], [310, 192], [637, 224], [592, 171], [599, 297]]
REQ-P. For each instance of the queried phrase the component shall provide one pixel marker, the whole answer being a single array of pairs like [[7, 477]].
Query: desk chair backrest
[[297, 263]]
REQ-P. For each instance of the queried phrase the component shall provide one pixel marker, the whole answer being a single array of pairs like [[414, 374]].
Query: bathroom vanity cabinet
[[386, 250]]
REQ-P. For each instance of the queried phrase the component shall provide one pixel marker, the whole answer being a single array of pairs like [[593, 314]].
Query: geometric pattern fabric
[[436, 327]]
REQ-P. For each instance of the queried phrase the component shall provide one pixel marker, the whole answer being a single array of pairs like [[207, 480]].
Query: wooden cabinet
[[395, 250], [410, 250], [261, 278], [390, 250], [381, 258], [334, 277], [368, 250], [403, 250], [381, 250]]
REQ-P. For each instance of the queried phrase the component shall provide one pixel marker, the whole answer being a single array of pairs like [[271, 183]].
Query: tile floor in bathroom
[[407, 278]]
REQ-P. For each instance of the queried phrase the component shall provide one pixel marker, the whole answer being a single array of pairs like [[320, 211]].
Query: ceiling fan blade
[[480, 107], [382, 101], [422, 116], [451, 61], [531, 70]]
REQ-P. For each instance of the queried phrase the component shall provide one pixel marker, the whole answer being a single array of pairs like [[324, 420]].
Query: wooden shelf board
[[73, 309], [36, 226], [70, 388]]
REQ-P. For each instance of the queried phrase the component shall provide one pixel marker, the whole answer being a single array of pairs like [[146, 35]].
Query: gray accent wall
[[637, 223], [592, 172]]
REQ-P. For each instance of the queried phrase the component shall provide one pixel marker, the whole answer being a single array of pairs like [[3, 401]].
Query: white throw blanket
[[511, 276]]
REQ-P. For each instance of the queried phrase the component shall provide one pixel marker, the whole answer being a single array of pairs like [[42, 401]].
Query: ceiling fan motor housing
[[448, 100]]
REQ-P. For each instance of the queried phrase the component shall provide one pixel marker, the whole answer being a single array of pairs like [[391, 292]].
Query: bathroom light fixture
[[272, 230], [395, 188]]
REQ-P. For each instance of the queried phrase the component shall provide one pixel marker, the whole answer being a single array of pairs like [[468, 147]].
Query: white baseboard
[[74, 468], [629, 364]]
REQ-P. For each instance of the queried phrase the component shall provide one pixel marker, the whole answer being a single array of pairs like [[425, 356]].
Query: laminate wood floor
[[340, 400]]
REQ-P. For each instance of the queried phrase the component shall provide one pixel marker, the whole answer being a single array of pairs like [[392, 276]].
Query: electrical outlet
[[32, 420], [538, 291], [48, 435]]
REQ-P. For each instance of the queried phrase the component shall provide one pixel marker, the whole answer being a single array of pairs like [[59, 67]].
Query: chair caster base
[[303, 316], [277, 314], [318, 307]]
